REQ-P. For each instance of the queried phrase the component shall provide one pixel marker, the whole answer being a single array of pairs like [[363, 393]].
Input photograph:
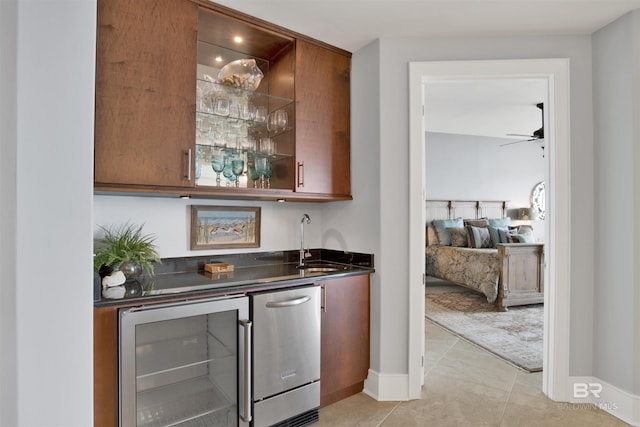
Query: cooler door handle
[[288, 303], [247, 415]]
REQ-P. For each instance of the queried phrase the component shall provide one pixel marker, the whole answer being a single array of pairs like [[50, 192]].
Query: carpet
[[515, 335]]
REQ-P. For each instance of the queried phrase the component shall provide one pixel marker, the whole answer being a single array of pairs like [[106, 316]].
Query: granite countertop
[[185, 277]]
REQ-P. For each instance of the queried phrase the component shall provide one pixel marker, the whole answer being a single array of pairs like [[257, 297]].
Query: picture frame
[[224, 227]]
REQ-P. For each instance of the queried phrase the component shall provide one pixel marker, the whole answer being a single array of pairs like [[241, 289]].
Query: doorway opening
[[557, 200]]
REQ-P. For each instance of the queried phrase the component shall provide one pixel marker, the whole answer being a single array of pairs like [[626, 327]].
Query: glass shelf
[[198, 401], [208, 91], [210, 126]]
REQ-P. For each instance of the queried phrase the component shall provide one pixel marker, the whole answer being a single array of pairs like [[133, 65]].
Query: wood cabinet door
[[344, 359], [145, 92], [322, 147], [105, 367]]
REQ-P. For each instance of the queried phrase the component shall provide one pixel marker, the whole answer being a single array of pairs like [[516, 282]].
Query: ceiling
[[352, 24], [490, 108], [485, 107]]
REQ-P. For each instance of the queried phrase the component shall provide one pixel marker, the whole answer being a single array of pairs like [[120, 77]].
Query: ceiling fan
[[536, 136]]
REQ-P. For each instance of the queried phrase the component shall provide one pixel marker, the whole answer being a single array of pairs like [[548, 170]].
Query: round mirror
[[537, 199]]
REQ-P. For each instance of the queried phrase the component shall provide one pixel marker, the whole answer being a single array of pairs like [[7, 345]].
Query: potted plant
[[125, 248]]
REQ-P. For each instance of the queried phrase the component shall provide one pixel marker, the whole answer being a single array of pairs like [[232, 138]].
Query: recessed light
[[218, 58], [237, 39]]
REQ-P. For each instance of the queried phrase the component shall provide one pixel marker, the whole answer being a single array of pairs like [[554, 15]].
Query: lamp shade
[[527, 214]]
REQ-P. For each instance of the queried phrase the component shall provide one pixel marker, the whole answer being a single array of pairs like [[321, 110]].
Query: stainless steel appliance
[[286, 356], [186, 364]]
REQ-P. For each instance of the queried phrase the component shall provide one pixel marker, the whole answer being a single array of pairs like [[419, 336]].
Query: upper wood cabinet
[[154, 133], [322, 121], [145, 93]]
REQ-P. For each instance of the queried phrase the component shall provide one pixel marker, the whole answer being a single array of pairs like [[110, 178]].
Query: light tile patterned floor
[[467, 386]]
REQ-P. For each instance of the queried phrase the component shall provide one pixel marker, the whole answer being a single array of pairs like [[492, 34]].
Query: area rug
[[515, 335]]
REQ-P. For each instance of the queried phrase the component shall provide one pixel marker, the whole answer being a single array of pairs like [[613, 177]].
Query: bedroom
[[470, 155]]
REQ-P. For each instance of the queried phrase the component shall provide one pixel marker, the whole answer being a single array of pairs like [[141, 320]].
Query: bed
[[508, 273]]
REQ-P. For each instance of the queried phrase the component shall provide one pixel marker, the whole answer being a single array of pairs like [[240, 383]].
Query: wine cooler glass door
[[184, 364]]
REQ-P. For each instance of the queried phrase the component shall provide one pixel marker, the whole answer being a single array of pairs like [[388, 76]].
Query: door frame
[[557, 313]]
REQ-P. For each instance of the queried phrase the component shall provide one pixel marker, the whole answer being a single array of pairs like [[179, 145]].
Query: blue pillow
[[441, 225], [505, 234], [495, 237], [500, 222], [500, 235]]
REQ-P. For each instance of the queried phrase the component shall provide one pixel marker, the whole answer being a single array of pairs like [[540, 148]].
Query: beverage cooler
[[186, 364]]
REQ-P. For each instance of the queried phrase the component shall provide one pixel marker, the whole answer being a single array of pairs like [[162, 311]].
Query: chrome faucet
[[302, 254]]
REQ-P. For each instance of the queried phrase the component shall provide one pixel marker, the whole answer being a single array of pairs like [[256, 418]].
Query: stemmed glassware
[[217, 164], [268, 173], [277, 121], [237, 167], [253, 174], [228, 173], [262, 163]]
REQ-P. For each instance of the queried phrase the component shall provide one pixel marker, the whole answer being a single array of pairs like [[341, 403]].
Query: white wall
[[8, 149], [391, 264], [49, 284], [617, 287], [169, 219], [466, 167]]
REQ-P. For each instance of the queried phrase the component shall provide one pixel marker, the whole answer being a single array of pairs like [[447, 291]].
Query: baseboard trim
[[386, 387], [619, 403]]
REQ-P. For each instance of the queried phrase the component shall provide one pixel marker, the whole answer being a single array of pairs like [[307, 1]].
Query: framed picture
[[223, 227]]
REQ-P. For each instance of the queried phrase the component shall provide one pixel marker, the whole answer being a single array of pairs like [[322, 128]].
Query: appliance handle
[[288, 303], [247, 324]]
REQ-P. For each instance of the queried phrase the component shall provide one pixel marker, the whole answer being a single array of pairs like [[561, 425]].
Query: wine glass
[[253, 174], [217, 164], [260, 114], [269, 173], [277, 121], [261, 168], [237, 167], [228, 173]]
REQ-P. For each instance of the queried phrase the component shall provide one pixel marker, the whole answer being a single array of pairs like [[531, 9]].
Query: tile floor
[[466, 386]]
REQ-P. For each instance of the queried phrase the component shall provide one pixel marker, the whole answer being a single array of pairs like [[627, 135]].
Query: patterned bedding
[[477, 269]]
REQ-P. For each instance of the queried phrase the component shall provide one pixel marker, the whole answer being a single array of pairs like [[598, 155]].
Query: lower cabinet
[[344, 359], [105, 367]]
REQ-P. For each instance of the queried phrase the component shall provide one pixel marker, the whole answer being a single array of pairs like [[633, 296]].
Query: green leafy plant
[[125, 243]]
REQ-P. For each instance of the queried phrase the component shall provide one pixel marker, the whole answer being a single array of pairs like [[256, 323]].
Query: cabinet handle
[[247, 415], [324, 298], [188, 153], [300, 174]]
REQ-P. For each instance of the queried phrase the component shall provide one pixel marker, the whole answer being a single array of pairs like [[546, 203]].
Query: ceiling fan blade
[[519, 134], [516, 142]]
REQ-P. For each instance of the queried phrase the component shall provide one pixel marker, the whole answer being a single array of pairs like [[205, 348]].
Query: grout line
[[506, 403], [444, 353], [387, 416]]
